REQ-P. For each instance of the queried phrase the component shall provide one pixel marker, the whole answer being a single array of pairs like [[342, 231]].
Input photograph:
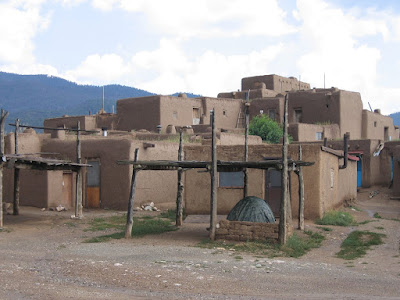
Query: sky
[[207, 46]]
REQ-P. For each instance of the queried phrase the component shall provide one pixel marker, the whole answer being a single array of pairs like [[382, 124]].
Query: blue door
[[359, 172]]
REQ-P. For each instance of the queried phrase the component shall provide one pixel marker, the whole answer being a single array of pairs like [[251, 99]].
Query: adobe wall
[[347, 184], [373, 126], [238, 139], [274, 82], [373, 170], [307, 132], [323, 107], [55, 190], [226, 111], [351, 108], [109, 121], [247, 231], [138, 113], [178, 111], [86, 122], [254, 94], [197, 188], [277, 103]]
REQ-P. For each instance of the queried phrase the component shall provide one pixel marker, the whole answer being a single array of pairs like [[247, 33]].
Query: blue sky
[[207, 46]]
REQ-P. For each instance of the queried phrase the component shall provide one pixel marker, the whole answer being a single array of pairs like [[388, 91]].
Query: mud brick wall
[[244, 231]]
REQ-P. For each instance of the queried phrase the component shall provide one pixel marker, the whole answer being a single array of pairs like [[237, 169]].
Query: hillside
[[396, 118], [33, 98]]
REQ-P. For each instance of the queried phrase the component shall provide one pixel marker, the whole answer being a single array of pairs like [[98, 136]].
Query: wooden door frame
[[87, 159]]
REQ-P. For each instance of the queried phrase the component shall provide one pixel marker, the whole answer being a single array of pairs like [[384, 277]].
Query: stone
[[148, 208]]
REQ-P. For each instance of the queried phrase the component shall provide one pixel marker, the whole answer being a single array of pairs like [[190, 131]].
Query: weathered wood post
[[246, 145], [283, 219], [78, 200], [2, 121], [301, 192], [129, 216], [16, 173], [213, 208], [179, 206]]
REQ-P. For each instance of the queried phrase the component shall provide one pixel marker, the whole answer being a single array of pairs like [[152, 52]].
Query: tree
[[269, 130]]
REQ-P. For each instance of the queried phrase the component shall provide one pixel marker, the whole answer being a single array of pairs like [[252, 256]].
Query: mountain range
[[33, 98]]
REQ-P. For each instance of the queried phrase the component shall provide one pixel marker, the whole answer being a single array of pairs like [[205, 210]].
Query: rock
[[155, 208], [148, 208], [43, 209], [137, 208], [117, 264], [6, 206], [60, 208]]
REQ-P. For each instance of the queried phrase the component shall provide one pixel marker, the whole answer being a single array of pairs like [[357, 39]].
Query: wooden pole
[[301, 192], [16, 174], [78, 200], [2, 121], [213, 212], [246, 146], [129, 216], [283, 219], [179, 206]]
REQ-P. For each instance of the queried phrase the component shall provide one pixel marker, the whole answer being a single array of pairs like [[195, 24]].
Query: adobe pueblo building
[[151, 123]]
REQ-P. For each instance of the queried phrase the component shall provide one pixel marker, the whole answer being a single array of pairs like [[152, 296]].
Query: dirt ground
[[43, 257]]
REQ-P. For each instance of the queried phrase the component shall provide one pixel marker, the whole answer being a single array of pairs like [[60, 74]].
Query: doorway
[[273, 190], [93, 184], [67, 190]]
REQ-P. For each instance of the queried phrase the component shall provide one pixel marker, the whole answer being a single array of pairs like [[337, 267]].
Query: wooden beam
[[179, 206], [3, 117], [78, 199], [301, 192], [16, 173], [213, 200], [246, 145], [283, 218], [129, 216]]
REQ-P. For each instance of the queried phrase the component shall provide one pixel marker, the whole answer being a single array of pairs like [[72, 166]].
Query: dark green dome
[[252, 209]]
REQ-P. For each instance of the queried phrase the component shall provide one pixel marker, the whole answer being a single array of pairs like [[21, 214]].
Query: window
[[231, 179], [298, 115], [196, 116], [386, 133], [175, 115], [272, 114], [375, 124], [319, 136]]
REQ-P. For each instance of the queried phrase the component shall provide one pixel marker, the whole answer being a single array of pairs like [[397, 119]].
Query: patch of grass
[[295, 247], [336, 218], [380, 228], [395, 219], [71, 224], [238, 257], [141, 227], [171, 214], [366, 222], [5, 230], [377, 216], [325, 228], [357, 243]]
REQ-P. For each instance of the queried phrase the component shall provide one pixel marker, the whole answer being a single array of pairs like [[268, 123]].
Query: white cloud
[[97, 69], [208, 18], [332, 37], [207, 74]]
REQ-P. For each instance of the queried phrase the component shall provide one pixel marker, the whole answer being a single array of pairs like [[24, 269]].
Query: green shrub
[[269, 130], [337, 218], [357, 243]]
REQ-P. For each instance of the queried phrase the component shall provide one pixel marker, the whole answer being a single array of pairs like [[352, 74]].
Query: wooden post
[[179, 206], [78, 200], [246, 146], [129, 216], [283, 219], [16, 174], [213, 212], [2, 121], [301, 192]]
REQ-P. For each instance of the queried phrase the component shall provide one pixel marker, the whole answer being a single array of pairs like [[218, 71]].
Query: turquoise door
[[359, 172]]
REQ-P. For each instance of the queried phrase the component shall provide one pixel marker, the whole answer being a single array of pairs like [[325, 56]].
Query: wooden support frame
[[3, 116], [179, 196], [129, 216], [246, 145], [283, 219], [299, 173], [213, 171], [16, 173], [78, 196]]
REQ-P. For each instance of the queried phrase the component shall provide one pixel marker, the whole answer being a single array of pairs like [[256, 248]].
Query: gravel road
[[43, 257]]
